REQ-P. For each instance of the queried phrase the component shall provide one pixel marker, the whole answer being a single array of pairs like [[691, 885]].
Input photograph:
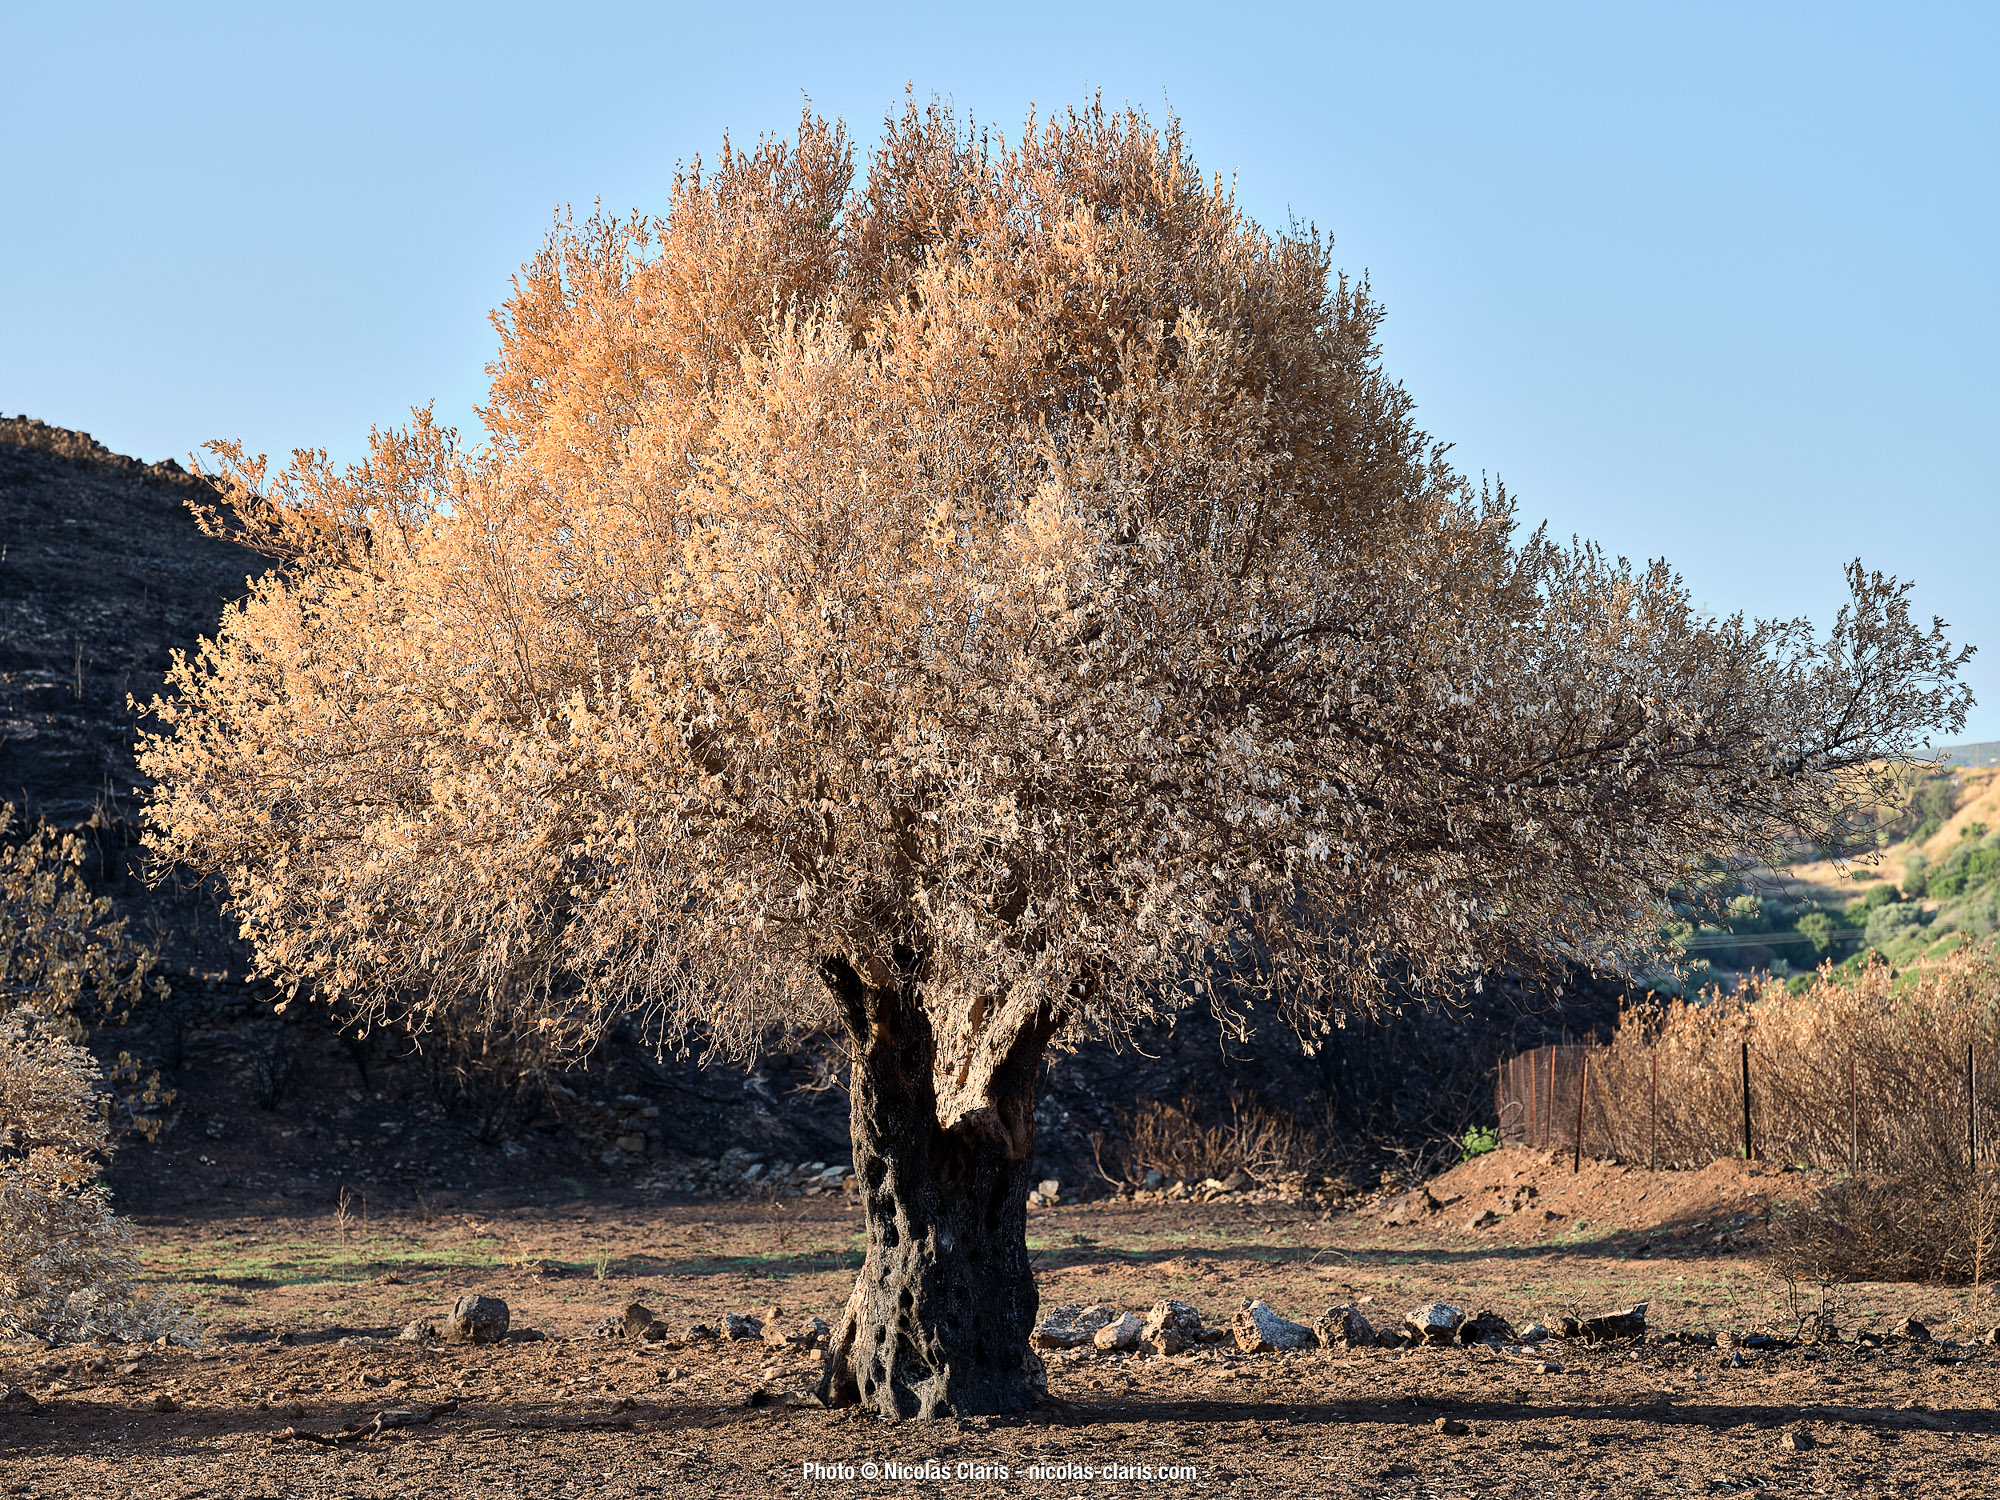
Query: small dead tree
[[998, 600], [67, 1266]]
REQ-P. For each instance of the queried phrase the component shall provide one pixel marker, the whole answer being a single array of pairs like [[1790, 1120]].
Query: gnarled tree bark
[[941, 1314]]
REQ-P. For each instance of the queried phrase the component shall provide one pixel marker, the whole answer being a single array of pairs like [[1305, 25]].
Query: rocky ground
[[1728, 1391]]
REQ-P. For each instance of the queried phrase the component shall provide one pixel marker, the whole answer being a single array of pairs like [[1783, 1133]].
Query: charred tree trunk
[[941, 1314]]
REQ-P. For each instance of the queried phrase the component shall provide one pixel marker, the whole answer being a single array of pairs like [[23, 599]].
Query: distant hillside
[[1986, 753], [102, 573]]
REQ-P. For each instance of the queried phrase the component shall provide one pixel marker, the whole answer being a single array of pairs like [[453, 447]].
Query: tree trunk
[[940, 1317]]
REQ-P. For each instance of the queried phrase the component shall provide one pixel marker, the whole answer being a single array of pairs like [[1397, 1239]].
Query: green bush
[[1878, 896], [1817, 928], [1477, 1141]]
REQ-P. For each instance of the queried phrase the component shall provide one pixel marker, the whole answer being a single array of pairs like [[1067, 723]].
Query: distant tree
[[999, 602], [1931, 805], [1817, 928]]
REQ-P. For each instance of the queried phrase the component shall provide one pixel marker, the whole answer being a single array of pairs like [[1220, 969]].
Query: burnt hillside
[[103, 572]]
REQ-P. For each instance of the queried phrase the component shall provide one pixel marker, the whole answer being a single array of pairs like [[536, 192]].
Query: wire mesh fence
[[1883, 1074]]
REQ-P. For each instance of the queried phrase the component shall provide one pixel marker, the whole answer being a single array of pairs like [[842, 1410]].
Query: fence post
[[1551, 1124], [1534, 1116], [1653, 1147], [1582, 1088], [1749, 1146]]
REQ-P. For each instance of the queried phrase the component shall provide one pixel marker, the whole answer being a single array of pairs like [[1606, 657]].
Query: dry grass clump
[[67, 1266], [1866, 1076], [1172, 1140]]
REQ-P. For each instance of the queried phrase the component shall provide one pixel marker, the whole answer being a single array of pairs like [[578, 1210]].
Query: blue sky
[[1709, 283]]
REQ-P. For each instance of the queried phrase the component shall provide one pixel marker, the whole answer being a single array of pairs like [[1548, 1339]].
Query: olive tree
[[987, 600]]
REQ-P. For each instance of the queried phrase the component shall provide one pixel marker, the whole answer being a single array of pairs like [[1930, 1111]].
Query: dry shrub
[[1900, 1040], [67, 1266], [486, 1071], [1877, 1227], [1866, 1076], [62, 952], [1172, 1140]]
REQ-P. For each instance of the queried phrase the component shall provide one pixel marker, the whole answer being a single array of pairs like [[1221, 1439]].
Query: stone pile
[[1256, 1328], [638, 1323], [1239, 1185]]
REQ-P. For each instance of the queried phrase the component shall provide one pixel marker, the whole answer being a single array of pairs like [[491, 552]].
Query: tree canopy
[[1018, 558]]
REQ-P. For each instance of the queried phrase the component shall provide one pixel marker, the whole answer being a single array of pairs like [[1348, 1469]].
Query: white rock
[[1262, 1331], [1434, 1322], [1121, 1333], [1071, 1325]]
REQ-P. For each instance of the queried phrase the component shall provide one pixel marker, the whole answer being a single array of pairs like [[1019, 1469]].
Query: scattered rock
[[1121, 1332], [165, 1402], [1819, 1328], [1568, 1328], [1154, 1179], [1238, 1181], [14, 1399], [1450, 1427], [1547, 1367], [1433, 1323], [1262, 1331], [1412, 1208], [739, 1327], [421, 1331], [636, 1321], [813, 1334], [702, 1333], [1070, 1325], [1485, 1327], [533, 1335], [476, 1320], [1534, 1333], [1911, 1329], [1626, 1323], [1485, 1219], [1170, 1328], [1344, 1327], [758, 1397], [1798, 1440]]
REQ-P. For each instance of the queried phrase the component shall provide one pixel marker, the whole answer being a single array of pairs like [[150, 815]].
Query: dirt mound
[[1519, 1196]]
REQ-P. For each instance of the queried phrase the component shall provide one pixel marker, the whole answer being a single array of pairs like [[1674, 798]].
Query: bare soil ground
[[302, 1308]]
